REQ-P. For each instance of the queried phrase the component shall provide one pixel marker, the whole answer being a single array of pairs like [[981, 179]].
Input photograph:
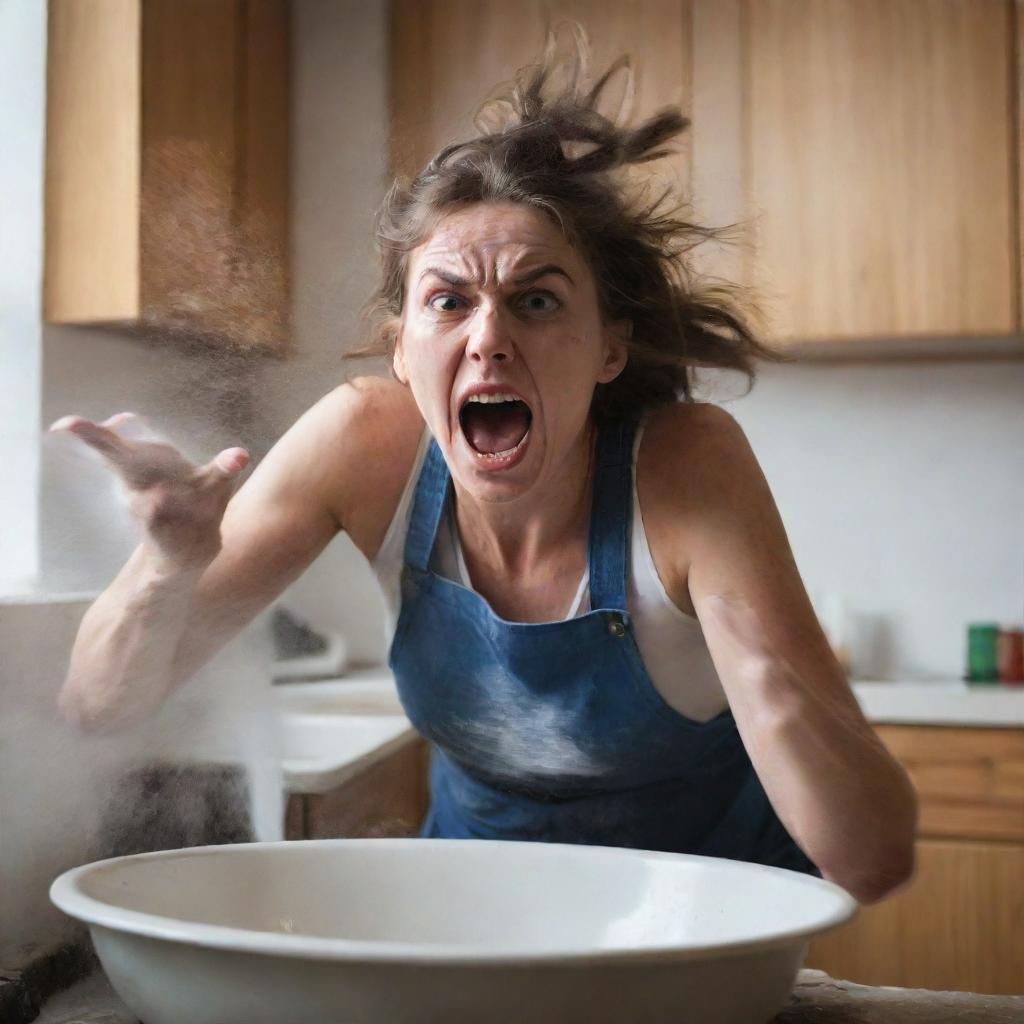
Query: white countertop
[[334, 729], [944, 702]]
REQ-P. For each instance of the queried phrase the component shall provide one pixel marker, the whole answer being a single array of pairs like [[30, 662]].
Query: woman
[[600, 625]]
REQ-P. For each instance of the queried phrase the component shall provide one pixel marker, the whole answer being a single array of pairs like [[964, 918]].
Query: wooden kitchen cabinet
[[167, 167], [960, 924], [866, 148], [881, 166], [388, 798]]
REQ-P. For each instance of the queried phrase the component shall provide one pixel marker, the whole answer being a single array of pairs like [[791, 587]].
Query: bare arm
[[846, 801], [187, 590]]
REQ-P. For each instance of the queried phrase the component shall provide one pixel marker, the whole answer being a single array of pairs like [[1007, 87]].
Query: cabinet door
[[167, 167], [880, 166], [448, 55], [959, 925], [386, 799], [214, 179]]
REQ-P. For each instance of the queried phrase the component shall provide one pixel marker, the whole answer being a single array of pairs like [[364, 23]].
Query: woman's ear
[[616, 353]]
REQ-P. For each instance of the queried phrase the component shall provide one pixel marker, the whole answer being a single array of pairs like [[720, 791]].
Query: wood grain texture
[[191, 98], [447, 57], [1018, 94], [880, 166], [959, 926], [167, 167], [719, 138], [263, 175], [970, 782], [388, 799], [91, 259]]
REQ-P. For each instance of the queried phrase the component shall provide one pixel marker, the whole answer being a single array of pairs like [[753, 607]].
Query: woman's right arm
[[207, 565]]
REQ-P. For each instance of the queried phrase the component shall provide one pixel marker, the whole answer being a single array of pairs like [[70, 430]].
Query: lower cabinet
[[387, 798], [959, 925]]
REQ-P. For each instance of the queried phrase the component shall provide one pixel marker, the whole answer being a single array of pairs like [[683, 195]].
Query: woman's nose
[[489, 338]]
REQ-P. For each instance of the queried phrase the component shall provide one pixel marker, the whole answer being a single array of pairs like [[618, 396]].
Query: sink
[[369, 692], [333, 729], [370, 700], [313, 739]]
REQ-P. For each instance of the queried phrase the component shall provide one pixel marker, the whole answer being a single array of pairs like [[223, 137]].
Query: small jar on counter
[[1010, 655], [982, 656]]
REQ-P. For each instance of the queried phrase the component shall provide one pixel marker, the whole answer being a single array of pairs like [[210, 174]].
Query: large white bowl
[[396, 931]]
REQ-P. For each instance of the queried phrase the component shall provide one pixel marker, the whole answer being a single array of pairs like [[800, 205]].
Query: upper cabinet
[[865, 150], [879, 158], [167, 167]]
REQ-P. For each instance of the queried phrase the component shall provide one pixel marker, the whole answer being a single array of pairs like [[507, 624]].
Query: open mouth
[[495, 425]]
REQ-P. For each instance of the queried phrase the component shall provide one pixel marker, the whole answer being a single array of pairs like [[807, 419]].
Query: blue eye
[[445, 303], [539, 302]]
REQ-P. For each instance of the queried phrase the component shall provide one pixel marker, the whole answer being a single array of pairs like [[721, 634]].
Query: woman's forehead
[[491, 236]]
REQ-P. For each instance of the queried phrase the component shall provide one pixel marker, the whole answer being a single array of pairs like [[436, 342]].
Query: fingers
[[142, 463], [97, 435], [119, 419], [226, 464]]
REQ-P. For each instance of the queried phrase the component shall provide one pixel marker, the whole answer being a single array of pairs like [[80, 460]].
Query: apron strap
[[611, 515], [428, 507]]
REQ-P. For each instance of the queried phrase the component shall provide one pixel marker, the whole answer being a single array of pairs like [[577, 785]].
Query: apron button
[[616, 628]]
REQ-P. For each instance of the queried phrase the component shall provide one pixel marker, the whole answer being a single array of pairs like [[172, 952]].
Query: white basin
[[408, 931]]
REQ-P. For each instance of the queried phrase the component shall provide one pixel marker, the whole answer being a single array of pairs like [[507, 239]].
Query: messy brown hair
[[551, 149]]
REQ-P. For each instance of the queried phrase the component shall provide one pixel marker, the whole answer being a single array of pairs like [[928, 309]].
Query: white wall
[[200, 400], [22, 114], [339, 118], [902, 488]]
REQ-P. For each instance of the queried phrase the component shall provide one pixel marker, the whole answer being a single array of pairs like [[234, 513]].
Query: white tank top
[[671, 642]]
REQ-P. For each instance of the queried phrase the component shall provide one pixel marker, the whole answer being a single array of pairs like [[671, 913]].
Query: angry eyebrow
[[528, 278], [549, 268], [445, 275]]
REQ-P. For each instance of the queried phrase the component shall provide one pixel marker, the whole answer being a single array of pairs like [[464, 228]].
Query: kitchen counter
[[816, 999], [335, 729], [944, 702]]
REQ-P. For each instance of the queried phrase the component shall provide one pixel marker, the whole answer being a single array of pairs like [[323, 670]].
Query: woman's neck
[[515, 536]]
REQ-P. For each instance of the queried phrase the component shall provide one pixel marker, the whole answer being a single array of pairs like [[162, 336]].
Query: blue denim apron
[[553, 731]]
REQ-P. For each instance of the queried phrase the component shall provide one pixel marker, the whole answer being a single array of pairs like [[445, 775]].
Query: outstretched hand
[[180, 505]]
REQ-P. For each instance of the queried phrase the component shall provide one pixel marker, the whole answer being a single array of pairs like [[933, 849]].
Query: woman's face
[[502, 343]]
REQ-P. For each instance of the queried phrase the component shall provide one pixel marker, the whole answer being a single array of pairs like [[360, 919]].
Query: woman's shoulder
[[698, 483], [694, 442], [375, 431]]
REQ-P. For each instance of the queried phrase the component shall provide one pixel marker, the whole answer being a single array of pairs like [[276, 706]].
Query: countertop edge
[[312, 782]]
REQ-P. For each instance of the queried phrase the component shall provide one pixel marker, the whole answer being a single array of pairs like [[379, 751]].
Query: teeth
[[492, 399]]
